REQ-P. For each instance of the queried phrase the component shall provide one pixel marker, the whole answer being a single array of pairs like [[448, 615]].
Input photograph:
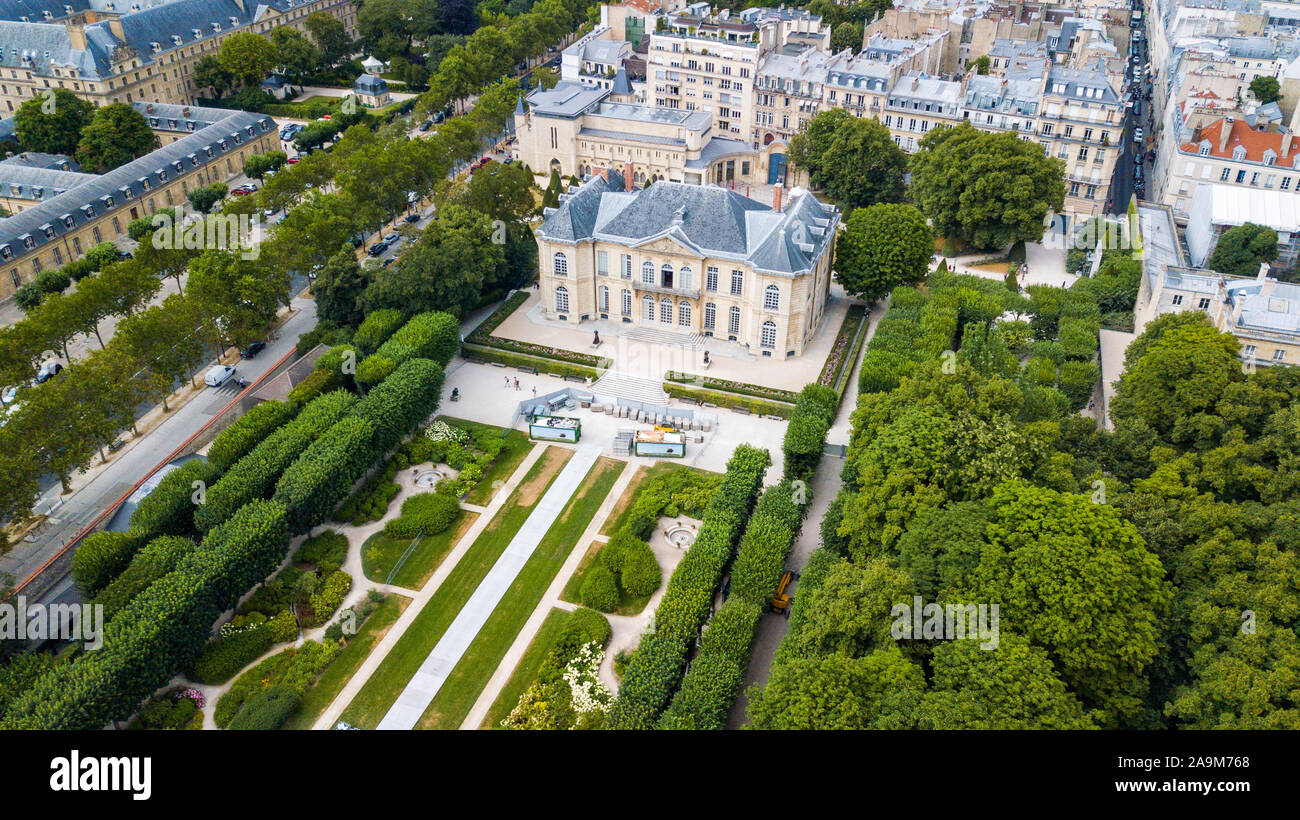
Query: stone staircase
[[633, 388], [653, 335]]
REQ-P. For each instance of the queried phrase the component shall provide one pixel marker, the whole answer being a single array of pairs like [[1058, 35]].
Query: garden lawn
[[526, 670], [517, 446], [454, 700], [377, 696], [380, 553], [338, 673], [616, 514]]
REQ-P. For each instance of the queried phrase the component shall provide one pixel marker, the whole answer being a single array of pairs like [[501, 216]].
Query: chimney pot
[[627, 176]]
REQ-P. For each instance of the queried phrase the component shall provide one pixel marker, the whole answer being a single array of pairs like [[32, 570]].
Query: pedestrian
[[534, 391], [516, 382], [507, 382]]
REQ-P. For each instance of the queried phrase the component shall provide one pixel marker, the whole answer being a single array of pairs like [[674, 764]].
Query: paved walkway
[[550, 600], [419, 693], [418, 601]]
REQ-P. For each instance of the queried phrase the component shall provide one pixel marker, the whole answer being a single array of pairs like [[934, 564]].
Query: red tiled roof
[[1255, 142]]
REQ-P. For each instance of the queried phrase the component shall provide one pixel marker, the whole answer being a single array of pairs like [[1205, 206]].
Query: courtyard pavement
[[419, 692]]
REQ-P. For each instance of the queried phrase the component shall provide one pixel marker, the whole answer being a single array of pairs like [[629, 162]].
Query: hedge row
[[730, 400], [805, 435], [154, 560], [726, 386], [432, 335], [375, 329], [398, 404], [714, 677], [844, 351], [160, 631], [169, 509], [254, 475], [266, 710], [221, 660], [656, 667], [549, 366], [238, 440]]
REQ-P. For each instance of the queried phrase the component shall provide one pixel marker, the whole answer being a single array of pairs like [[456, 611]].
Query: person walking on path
[[534, 391], [516, 382]]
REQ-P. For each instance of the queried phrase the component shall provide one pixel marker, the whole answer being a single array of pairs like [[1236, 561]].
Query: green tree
[[248, 57], [846, 36], [331, 36], [1265, 89], [881, 690], [881, 247], [117, 134], [204, 197], [209, 73], [294, 52], [855, 161], [339, 287], [1242, 249], [52, 122], [991, 189], [981, 64]]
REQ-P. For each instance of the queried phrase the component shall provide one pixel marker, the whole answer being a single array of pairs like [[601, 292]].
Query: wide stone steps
[[632, 388], [653, 335]]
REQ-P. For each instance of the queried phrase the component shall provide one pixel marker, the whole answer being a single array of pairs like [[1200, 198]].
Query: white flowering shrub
[[583, 676], [442, 431]]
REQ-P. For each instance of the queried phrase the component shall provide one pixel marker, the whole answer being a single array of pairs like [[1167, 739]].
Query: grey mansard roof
[[713, 221], [123, 187]]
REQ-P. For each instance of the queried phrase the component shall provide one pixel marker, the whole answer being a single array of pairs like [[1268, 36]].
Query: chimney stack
[[777, 194], [1286, 142], [77, 36], [1225, 131], [604, 172], [115, 26], [1263, 272], [627, 176]]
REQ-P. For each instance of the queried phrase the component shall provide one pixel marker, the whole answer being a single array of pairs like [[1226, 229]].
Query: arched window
[[604, 298], [561, 265], [666, 276], [666, 312], [648, 308], [627, 303], [733, 321], [769, 334], [771, 298], [685, 279], [561, 299], [710, 315], [684, 314], [647, 273]]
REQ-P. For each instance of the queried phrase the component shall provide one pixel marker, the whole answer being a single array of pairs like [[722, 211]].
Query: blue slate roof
[[370, 84], [713, 221], [120, 188]]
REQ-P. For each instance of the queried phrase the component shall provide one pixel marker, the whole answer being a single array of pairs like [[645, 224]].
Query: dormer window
[[49, 231], [198, 33], [29, 242], [179, 166], [108, 201], [1204, 149], [194, 160], [162, 174], [1270, 157], [208, 150], [48, 15], [127, 193], [1239, 153], [221, 144], [216, 27], [6, 252], [68, 221], [89, 211], [157, 47], [144, 183]]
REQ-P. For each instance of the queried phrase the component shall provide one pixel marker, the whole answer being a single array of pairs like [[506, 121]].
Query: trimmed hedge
[[266, 710], [731, 400], [805, 435], [323, 475], [170, 508], [714, 678], [254, 475], [222, 659], [430, 513], [376, 328], [160, 631], [398, 404], [154, 560], [549, 366], [655, 668], [103, 556], [725, 386], [716, 673], [326, 601], [237, 440]]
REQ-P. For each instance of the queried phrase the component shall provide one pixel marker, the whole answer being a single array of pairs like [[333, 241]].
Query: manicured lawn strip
[[526, 671], [338, 673], [627, 604], [621, 506], [454, 700], [426, 558], [415, 644], [517, 447]]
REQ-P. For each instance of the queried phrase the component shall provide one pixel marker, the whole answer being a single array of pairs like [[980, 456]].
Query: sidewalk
[[419, 693]]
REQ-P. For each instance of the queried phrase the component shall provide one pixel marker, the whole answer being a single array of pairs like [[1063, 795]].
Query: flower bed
[[542, 365], [725, 386], [844, 351]]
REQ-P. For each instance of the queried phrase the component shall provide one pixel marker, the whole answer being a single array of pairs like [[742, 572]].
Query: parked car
[[292, 160], [48, 371], [218, 375], [245, 189], [426, 125], [412, 217], [1137, 135], [252, 350], [377, 249], [391, 239]]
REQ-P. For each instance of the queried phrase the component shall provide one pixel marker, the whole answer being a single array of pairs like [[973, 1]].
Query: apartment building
[[702, 61], [1216, 209], [1080, 121], [126, 51], [576, 129], [917, 104], [199, 146], [595, 58], [689, 259]]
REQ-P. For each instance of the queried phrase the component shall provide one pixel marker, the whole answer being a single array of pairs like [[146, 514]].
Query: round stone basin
[[428, 479], [681, 536]]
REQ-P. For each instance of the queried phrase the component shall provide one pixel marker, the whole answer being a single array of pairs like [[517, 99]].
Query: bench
[[741, 410], [523, 368], [579, 379]]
